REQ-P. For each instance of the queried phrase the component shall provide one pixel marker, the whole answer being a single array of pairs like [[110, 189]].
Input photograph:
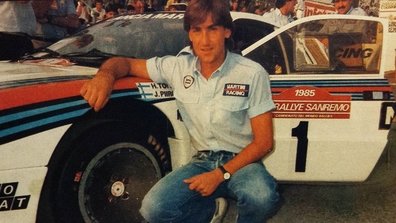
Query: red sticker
[[311, 103]]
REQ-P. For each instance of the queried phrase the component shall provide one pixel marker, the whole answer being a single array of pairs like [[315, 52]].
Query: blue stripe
[[42, 110], [42, 122], [32, 112], [52, 119]]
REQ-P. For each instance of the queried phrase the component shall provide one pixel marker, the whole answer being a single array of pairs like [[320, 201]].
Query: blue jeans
[[170, 200]]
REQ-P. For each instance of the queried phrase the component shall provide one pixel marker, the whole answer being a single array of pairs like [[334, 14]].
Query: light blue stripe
[[32, 112], [42, 110], [42, 122]]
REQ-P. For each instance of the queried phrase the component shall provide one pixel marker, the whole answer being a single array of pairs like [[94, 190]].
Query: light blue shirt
[[51, 31], [356, 11], [17, 17], [277, 18], [216, 111]]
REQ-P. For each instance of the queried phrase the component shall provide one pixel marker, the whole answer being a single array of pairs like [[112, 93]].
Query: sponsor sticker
[[311, 103], [8, 200], [239, 90], [152, 90], [188, 81]]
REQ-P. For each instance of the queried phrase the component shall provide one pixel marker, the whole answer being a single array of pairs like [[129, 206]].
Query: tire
[[107, 175]]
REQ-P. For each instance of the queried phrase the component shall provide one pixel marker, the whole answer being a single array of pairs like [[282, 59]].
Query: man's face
[[99, 6], [208, 41], [342, 6], [291, 5]]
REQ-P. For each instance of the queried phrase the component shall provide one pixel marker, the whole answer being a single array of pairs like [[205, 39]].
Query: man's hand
[[205, 183], [97, 91]]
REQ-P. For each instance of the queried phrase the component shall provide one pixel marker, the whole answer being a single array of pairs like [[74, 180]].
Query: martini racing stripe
[[30, 119]]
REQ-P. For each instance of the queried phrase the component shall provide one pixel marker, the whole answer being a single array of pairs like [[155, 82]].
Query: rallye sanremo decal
[[311, 102]]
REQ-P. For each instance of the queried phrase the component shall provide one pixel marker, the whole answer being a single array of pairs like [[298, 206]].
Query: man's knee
[[151, 208], [259, 201], [157, 209]]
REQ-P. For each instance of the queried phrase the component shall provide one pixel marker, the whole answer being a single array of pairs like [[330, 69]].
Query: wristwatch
[[226, 174]]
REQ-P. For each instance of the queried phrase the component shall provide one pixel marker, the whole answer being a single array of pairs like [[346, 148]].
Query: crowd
[[51, 20]]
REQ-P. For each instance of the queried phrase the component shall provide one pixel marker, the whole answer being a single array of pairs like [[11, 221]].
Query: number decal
[[305, 93], [301, 132], [388, 111]]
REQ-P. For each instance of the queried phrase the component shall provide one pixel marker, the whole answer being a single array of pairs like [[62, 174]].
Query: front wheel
[[114, 183], [108, 174]]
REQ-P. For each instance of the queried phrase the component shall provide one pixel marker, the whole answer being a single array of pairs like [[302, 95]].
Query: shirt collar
[[188, 51], [350, 11]]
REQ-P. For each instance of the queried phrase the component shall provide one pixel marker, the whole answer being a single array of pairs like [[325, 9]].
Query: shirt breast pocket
[[231, 110], [187, 97]]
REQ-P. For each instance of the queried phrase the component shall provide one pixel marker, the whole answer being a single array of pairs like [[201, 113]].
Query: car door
[[333, 104]]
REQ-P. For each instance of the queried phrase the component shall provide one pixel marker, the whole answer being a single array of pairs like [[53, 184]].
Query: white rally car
[[62, 162]]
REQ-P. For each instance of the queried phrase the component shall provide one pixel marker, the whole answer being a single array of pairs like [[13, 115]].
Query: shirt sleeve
[[260, 100], [161, 69]]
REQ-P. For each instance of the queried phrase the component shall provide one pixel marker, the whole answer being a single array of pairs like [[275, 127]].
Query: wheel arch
[[139, 115]]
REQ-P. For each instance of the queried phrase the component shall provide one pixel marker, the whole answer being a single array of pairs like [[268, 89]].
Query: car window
[[128, 36], [336, 46], [247, 32]]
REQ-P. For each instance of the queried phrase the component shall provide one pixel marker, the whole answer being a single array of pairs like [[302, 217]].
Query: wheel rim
[[115, 182]]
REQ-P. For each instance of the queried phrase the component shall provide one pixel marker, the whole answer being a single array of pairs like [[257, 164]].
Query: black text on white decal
[[8, 200]]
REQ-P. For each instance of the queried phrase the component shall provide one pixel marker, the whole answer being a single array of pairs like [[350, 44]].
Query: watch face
[[227, 176]]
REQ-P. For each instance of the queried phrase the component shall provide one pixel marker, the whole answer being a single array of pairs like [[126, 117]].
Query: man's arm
[[97, 90], [261, 145]]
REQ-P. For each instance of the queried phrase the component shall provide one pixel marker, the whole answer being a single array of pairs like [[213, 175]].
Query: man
[[16, 27], [225, 102], [282, 14], [98, 13], [55, 19], [346, 7]]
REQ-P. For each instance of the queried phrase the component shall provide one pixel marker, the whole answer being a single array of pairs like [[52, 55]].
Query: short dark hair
[[280, 3], [198, 10]]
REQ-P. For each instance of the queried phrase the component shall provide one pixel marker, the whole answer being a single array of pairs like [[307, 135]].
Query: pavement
[[371, 201]]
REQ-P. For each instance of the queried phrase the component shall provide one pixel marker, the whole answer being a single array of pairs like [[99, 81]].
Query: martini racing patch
[[239, 90]]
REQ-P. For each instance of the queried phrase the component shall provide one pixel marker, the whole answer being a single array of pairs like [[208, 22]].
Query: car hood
[[13, 74]]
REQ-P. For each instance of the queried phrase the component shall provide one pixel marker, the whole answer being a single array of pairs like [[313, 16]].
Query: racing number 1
[[301, 132]]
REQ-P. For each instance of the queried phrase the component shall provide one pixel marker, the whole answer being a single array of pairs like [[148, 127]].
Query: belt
[[207, 152]]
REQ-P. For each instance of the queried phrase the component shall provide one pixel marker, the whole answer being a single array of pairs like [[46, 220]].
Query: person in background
[[283, 12], [82, 12], [111, 11], [140, 6], [346, 7], [98, 13], [299, 9], [259, 10], [130, 9], [234, 5], [57, 19], [16, 27], [225, 103]]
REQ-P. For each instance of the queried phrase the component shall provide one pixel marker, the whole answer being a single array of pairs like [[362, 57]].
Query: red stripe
[[345, 89], [15, 97]]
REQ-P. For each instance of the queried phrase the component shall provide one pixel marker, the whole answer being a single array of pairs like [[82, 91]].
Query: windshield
[[140, 36]]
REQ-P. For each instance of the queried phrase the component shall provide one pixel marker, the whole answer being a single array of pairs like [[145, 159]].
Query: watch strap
[[223, 169]]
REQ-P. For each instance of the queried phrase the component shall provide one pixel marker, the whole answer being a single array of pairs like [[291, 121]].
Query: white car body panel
[[324, 162]]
